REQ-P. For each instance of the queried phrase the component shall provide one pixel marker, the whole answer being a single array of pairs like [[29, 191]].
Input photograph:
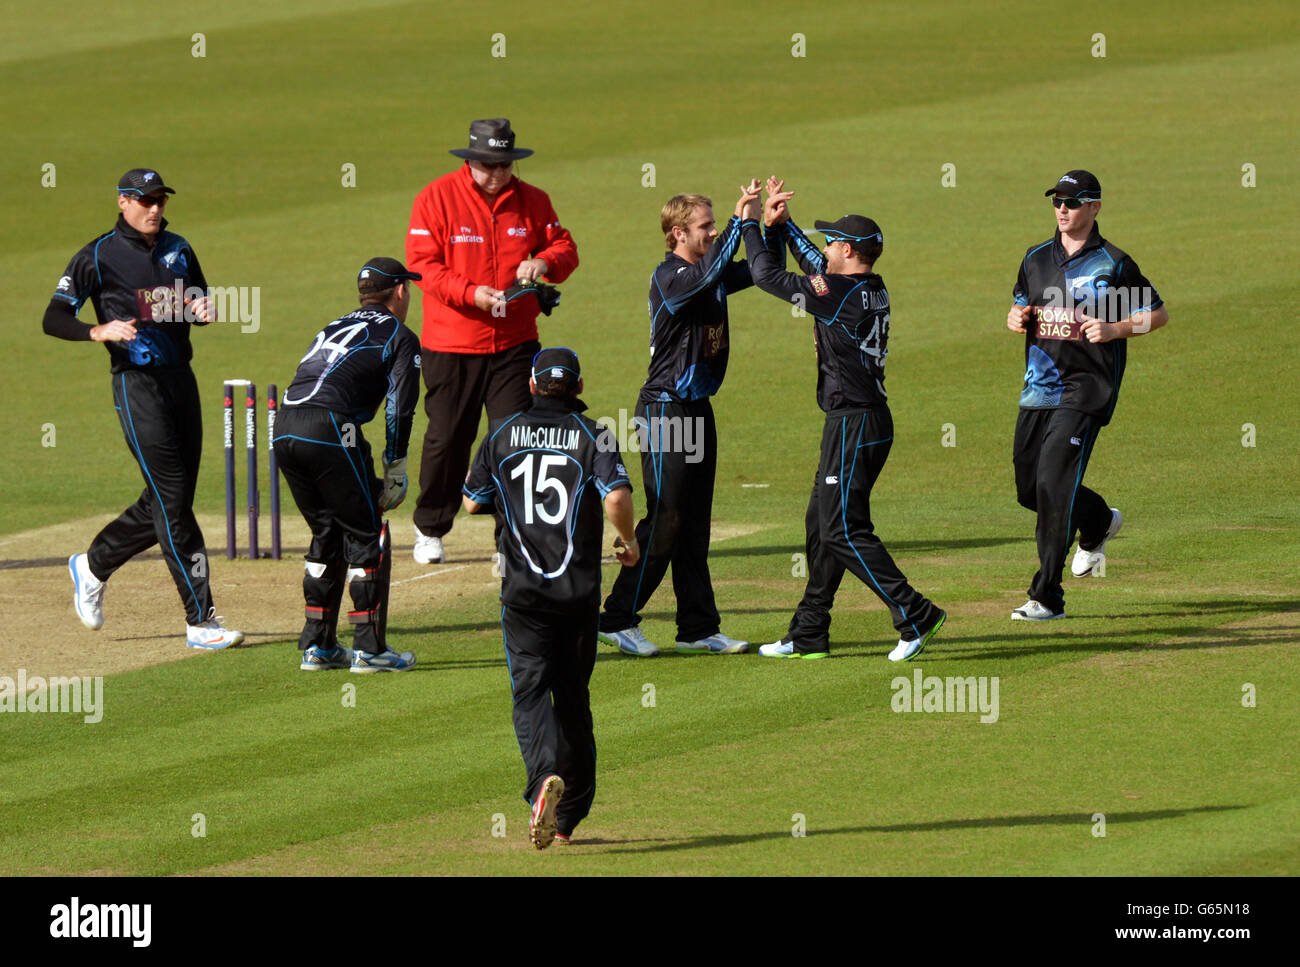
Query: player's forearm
[[810, 259], [621, 514], [1144, 321], [61, 321], [764, 268]]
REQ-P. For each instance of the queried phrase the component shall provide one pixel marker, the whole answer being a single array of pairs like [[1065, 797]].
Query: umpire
[[147, 289], [365, 358], [850, 308], [543, 469]]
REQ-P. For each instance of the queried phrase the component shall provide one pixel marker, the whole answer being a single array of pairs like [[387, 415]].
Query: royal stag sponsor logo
[[1058, 323]]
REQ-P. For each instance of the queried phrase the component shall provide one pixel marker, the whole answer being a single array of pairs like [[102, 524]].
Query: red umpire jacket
[[459, 240]]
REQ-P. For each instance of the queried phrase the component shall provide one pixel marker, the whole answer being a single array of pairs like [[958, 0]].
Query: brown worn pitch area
[[144, 622]]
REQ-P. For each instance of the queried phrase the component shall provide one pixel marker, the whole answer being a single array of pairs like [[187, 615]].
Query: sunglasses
[[1070, 203], [495, 166], [150, 201]]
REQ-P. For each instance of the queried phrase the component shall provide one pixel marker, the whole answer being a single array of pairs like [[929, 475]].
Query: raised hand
[[747, 204]]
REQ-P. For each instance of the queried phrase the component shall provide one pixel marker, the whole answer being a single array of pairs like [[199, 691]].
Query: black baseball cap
[[384, 273], [855, 229], [557, 363], [142, 181], [1079, 184]]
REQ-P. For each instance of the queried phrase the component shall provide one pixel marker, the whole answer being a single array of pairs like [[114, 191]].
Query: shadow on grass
[[919, 547], [990, 822]]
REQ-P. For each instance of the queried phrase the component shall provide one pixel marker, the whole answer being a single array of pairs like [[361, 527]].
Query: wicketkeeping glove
[[394, 491], [548, 296]]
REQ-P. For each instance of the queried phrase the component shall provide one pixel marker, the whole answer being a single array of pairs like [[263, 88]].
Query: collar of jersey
[[126, 230]]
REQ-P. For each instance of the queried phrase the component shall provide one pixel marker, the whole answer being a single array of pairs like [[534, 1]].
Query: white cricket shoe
[[909, 648], [1031, 610], [211, 636], [1087, 562], [718, 644], [88, 594], [428, 550], [630, 641], [784, 648]]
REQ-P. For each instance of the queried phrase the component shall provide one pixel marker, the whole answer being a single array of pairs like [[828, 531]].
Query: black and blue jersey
[[125, 276], [851, 314], [357, 362], [689, 343], [547, 470], [1063, 369]]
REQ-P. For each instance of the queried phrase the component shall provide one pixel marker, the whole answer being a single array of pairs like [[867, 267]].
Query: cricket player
[[850, 309], [1077, 300], [689, 348], [548, 470], [147, 289], [354, 364]]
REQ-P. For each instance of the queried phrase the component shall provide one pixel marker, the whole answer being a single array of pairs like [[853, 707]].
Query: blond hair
[[677, 212]]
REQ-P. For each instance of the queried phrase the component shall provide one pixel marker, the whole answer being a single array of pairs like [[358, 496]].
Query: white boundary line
[[431, 574]]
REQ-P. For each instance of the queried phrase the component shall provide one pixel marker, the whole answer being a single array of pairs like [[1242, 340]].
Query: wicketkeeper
[[356, 362]]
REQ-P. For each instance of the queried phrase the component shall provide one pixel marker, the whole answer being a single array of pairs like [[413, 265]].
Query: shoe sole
[[371, 669], [76, 596], [689, 648], [806, 655], [1017, 616], [925, 639], [542, 827], [323, 666], [213, 647]]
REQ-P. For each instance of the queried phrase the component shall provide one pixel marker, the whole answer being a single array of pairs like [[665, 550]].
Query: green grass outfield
[[1132, 708]]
